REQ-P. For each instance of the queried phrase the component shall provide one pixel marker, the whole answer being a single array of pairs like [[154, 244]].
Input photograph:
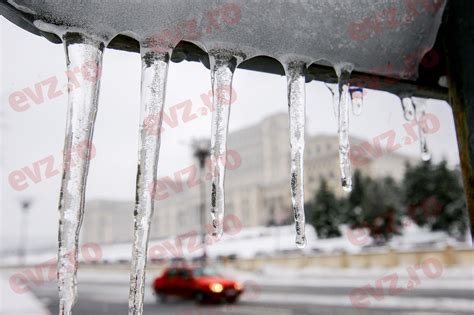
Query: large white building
[[257, 191]]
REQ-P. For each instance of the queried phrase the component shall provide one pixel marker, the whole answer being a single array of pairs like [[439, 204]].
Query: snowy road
[[103, 293]]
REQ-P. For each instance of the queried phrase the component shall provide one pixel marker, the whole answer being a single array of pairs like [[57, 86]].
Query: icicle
[[334, 89], [223, 64], [344, 73], [84, 53], [357, 96], [295, 74], [153, 88], [420, 111], [408, 110]]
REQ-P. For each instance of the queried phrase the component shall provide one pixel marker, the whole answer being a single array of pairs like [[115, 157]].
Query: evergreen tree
[[431, 195], [375, 205], [418, 187], [352, 208], [381, 209], [324, 212], [434, 197]]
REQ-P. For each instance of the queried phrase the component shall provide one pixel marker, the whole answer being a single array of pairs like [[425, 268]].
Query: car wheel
[[160, 297], [200, 297]]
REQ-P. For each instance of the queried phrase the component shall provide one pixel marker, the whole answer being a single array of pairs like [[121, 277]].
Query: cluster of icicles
[[82, 109]]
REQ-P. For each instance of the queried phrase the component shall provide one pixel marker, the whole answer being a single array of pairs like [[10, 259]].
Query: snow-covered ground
[[259, 241], [449, 283], [452, 292], [450, 278]]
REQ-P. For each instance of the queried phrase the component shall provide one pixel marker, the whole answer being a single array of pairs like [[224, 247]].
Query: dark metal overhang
[[426, 85]]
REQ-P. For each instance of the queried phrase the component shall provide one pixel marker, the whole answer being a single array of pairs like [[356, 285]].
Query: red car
[[200, 283]]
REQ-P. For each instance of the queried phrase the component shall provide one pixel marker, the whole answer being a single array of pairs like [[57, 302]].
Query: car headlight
[[216, 287], [238, 286]]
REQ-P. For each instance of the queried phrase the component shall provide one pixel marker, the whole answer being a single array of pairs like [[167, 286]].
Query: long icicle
[[344, 73], [223, 64], [295, 74], [82, 52], [420, 110], [153, 88]]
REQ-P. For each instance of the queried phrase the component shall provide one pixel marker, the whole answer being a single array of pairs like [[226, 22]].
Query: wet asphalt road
[[97, 297]]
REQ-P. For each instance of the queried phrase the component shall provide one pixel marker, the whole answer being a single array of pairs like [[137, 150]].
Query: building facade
[[257, 191]]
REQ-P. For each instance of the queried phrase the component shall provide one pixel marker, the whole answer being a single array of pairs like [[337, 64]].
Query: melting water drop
[[295, 74], [344, 72], [357, 96], [420, 111], [334, 89], [408, 110], [153, 88], [223, 64], [81, 51]]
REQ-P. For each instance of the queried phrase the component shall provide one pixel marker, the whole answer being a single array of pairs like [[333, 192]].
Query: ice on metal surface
[[370, 34], [153, 89], [223, 64], [295, 74], [81, 52], [343, 72]]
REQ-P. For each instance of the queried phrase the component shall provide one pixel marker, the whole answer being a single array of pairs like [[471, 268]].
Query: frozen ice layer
[[153, 91], [297, 115], [377, 36], [81, 114], [344, 72], [222, 64]]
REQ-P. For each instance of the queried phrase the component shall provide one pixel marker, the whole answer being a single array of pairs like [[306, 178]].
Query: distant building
[[107, 221], [257, 192]]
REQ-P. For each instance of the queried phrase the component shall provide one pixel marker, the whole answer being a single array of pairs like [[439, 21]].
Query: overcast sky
[[38, 132]]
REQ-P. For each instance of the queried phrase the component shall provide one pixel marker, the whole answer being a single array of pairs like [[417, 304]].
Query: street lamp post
[[25, 207], [201, 151]]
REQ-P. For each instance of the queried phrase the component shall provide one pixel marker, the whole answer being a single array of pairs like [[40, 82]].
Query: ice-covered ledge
[[374, 35]]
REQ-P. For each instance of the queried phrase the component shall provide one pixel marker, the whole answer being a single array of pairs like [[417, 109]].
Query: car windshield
[[204, 272]]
